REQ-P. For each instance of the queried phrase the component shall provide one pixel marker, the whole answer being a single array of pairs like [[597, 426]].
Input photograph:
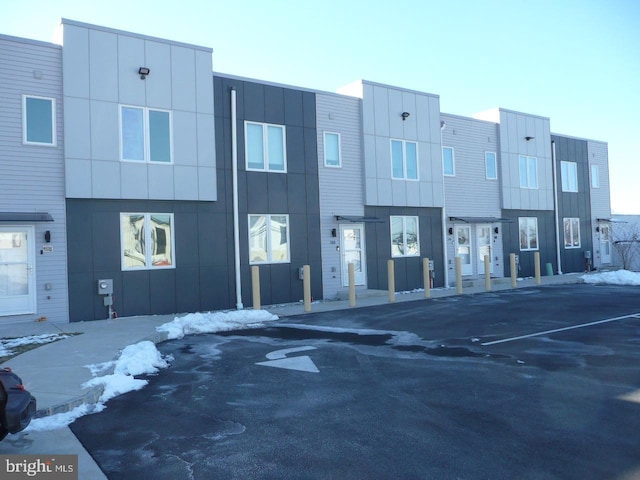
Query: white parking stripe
[[633, 315]]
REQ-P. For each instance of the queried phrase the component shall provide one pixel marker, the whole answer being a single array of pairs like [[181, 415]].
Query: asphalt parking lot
[[537, 383]]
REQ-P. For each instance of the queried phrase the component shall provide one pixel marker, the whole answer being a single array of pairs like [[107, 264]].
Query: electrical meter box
[[105, 287]]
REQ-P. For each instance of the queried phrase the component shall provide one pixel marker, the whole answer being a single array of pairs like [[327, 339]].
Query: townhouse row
[[125, 159]]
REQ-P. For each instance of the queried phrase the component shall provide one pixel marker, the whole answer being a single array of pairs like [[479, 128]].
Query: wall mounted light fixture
[[405, 115], [529, 138], [143, 72], [47, 236], [450, 231]]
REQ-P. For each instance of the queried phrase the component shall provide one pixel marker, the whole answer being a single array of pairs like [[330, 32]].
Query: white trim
[[453, 161], [529, 248], [324, 149], [404, 234], [344, 268], [54, 136], [146, 135], [265, 147], [495, 165], [571, 177], [23, 304]]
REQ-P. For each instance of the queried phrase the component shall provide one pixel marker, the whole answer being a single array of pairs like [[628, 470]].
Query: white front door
[[605, 243], [483, 234], [352, 248], [17, 270], [463, 248]]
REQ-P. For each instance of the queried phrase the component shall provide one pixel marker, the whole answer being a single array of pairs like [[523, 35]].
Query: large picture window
[[404, 236], [404, 160], [569, 174], [268, 239], [528, 167], [528, 233], [145, 135], [38, 120], [147, 241], [571, 233], [265, 147]]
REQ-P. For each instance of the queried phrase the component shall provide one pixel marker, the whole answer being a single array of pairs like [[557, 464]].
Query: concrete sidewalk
[[54, 373]]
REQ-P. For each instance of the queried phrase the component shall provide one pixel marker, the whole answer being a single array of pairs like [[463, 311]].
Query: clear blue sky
[[575, 61]]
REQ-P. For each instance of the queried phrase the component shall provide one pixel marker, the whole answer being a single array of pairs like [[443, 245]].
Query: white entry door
[[483, 235], [605, 243], [17, 270], [463, 248], [352, 248]]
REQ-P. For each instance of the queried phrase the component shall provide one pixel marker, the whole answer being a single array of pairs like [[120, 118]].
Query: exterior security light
[[405, 115], [529, 138], [143, 71]]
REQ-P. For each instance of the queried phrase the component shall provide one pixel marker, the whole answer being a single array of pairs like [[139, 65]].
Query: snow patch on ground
[[618, 277]]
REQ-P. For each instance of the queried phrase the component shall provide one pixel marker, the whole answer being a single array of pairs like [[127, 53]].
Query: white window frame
[[569, 176], [148, 254], [270, 249], [494, 161], [324, 140], [572, 223], [529, 221], [531, 182], [265, 147], [404, 144], [404, 234], [146, 135], [453, 162], [595, 176], [54, 136]]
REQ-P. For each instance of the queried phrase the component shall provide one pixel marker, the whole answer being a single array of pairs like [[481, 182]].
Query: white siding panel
[[158, 83], [183, 72], [130, 58], [103, 66]]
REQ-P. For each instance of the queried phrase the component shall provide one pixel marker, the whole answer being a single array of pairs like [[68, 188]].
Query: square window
[[405, 240], [332, 150], [448, 161], [404, 160], [38, 120], [265, 147], [147, 241], [145, 135], [268, 239], [491, 167]]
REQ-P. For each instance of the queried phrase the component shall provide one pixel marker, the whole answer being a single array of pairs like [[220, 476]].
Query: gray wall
[[600, 197], [100, 68], [408, 270], [574, 204], [32, 176], [341, 189]]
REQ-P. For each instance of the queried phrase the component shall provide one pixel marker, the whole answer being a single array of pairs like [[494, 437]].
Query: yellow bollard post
[[392, 281], [306, 281], [536, 260], [426, 274], [514, 272], [487, 273], [352, 285], [255, 286], [459, 275]]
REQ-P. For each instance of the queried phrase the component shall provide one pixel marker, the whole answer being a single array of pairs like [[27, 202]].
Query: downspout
[[444, 216], [555, 205], [234, 174]]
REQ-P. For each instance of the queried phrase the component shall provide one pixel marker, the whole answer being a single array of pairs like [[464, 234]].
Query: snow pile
[[214, 322], [7, 344], [618, 277]]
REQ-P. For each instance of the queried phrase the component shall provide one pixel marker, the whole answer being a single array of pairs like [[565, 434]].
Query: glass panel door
[[483, 233], [605, 243], [353, 252], [463, 248], [17, 276]]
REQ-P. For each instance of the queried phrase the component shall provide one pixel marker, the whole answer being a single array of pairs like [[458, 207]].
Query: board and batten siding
[[341, 189], [32, 176]]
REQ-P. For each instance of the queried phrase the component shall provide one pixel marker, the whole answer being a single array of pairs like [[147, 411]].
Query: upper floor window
[[528, 227], [595, 176], [38, 120], [528, 171], [268, 239], [145, 134], [448, 161], [147, 241], [265, 147], [569, 174], [571, 233], [332, 157], [404, 160], [491, 166], [404, 237]]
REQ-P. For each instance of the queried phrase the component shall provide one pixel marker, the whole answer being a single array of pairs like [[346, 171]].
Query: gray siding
[[341, 189], [100, 68], [600, 197], [514, 127], [32, 177], [546, 242], [382, 108]]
